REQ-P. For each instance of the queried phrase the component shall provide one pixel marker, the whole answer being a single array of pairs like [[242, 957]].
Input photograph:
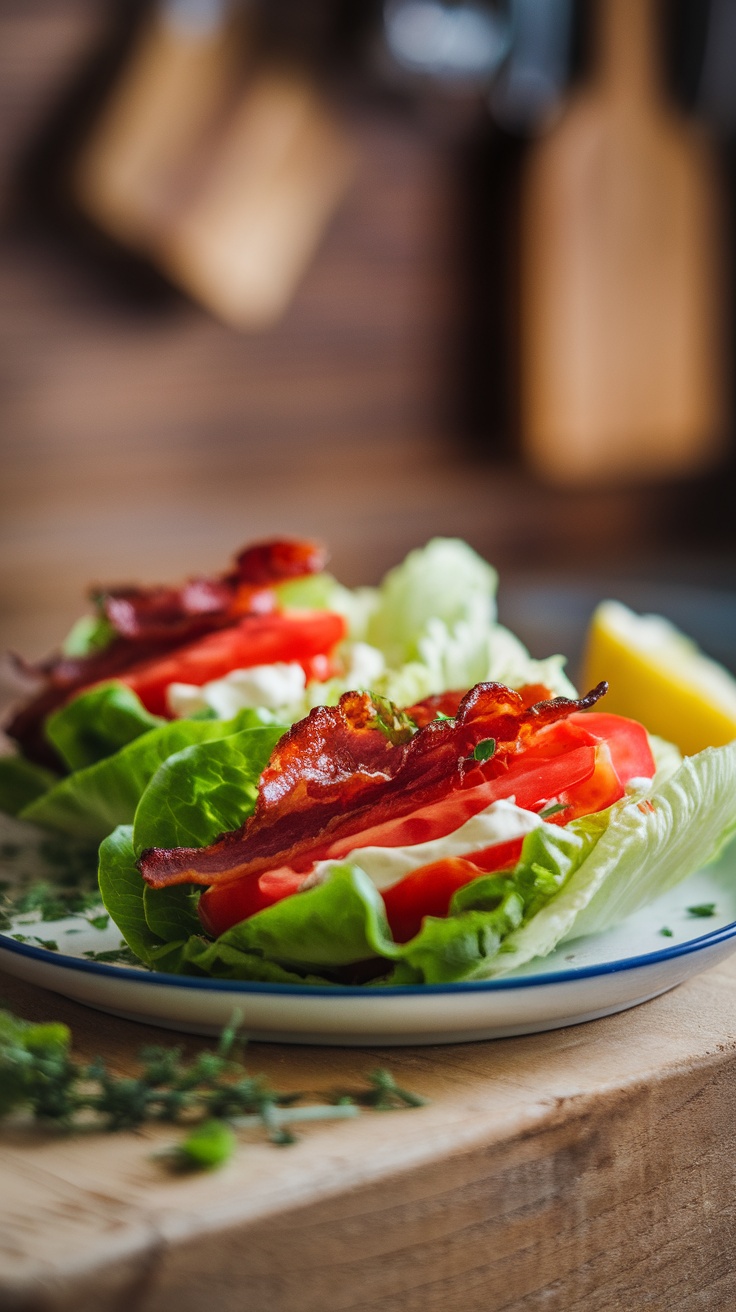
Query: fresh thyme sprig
[[211, 1094]]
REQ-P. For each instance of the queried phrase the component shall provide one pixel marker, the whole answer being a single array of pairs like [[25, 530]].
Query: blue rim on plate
[[137, 976]]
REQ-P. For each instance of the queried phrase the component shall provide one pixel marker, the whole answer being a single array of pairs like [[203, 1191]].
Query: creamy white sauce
[[499, 823], [272, 686]]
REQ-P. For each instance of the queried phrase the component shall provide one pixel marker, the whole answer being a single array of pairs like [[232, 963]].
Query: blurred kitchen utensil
[[225, 176], [131, 176], [460, 44], [278, 170], [530, 87], [621, 260]]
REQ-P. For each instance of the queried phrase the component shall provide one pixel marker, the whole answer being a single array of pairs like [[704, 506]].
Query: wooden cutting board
[[584, 1170], [622, 269]]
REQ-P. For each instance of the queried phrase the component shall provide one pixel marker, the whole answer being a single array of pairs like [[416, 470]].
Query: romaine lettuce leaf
[[642, 852], [91, 802], [204, 790], [121, 890], [161, 926], [98, 723], [337, 923]]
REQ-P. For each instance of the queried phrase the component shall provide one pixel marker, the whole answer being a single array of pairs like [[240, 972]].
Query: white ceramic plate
[[582, 980]]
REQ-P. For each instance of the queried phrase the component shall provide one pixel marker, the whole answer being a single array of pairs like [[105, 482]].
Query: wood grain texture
[[585, 1170]]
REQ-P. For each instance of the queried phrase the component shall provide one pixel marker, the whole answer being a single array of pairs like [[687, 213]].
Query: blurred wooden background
[[143, 440]]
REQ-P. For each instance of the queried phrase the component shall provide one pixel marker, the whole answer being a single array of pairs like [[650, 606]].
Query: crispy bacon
[[338, 772], [153, 621], [446, 704], [273, 562]]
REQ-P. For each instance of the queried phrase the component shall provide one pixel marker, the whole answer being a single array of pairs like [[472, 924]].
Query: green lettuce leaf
[[161, 926], [91, 802], [21, 783], [222, 960], [121, 890], [194, 796], [434, 619], [155, 925], [641, 853], [445, 581], [98, 723], [337, 923], [204, 790]]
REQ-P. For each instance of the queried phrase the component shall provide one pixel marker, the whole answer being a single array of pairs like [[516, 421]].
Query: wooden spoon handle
[[627, 55]]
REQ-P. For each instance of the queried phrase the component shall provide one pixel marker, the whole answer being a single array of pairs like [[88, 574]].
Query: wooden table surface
[[589, 1169]]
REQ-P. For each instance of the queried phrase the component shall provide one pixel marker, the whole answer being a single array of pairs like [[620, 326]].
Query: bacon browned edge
[[336, 773], [154, 621], [448, 703]]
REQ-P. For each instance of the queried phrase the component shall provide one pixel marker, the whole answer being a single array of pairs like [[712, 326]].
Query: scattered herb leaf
[[666, 931], [209, 1145], [702, 909], [554, 809], [115, 956], [395, 724], [484, 750], [212, 1094]]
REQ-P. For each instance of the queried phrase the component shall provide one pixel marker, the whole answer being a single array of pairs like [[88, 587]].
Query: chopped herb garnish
[[99, 922], [395, 724], [213, 1094], [554, 809], [666, 932], [484, 750], [115, 956], [702, 909], [441, 716], [49, 943], [210, 1145]]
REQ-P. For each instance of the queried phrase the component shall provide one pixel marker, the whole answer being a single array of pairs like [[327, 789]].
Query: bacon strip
[[337, 772], [149, 622], [447, 703]]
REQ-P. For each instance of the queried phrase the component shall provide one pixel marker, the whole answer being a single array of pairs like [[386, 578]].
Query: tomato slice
[[301, 636], [222, 907], [627, 740], [428, 891], [530, 786]]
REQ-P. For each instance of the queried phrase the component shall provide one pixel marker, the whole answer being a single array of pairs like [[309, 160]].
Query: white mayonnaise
[[499, 823]]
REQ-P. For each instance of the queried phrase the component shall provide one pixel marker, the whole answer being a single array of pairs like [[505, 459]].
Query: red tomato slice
[[221, 908], [298, 636], [531, 788], [428, 891], [628, 742]]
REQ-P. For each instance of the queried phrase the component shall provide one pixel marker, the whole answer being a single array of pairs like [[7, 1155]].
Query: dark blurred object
[[534, 78], [222, 169], [716, 93], [621, 317], [460, 45]]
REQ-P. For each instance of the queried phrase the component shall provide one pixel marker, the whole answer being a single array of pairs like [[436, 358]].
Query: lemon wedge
[[660, 677]]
